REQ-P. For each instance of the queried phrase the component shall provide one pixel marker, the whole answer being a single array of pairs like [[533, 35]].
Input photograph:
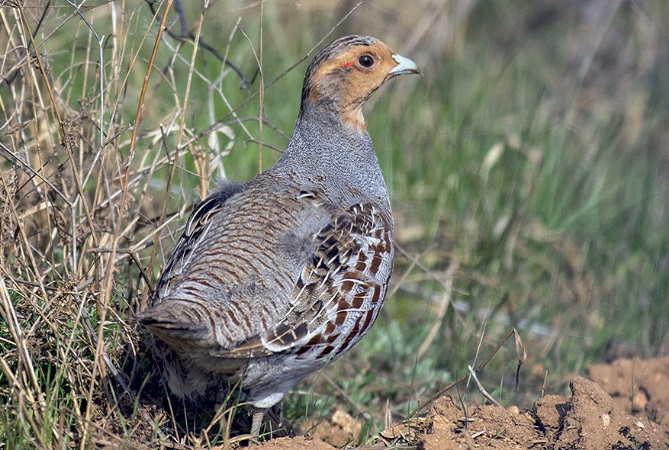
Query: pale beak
[[404, 66]]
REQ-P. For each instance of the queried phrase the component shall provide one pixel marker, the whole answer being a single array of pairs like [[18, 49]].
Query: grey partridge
[[275, 278]]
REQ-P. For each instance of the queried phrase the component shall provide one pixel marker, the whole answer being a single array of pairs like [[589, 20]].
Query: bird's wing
[[339, 291], [263, 273], [197, 223], [231, 276]]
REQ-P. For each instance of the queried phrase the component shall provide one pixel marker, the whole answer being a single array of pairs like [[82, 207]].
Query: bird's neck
[[335, 106], [325, 150]]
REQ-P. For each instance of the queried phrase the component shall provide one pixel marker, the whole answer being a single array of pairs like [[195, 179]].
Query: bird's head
[[345, 73]]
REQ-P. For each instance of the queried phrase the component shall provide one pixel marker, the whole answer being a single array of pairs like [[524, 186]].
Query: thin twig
[[7, 154], [199, 41], [480, 367], [481, 388], [9, 79]]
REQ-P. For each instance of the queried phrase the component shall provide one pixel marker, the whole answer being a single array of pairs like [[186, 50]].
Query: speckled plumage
[[275, 278]]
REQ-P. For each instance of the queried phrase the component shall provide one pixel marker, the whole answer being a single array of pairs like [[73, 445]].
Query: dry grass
[[92, 162]]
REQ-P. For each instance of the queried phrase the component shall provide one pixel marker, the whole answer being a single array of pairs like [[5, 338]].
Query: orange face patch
[[350, 78]]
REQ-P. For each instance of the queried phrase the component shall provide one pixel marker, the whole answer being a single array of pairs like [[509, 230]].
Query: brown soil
[[625, 407], [639, 386]]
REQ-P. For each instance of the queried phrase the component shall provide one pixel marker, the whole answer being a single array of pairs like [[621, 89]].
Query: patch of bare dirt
[[339, 431], [299, 442], [627, 407], [639, 386]]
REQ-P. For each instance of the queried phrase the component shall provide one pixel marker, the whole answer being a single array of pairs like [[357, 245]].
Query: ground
[[623, 405]]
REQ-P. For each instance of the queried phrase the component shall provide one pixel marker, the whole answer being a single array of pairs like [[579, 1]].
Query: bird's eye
[[366, 61]]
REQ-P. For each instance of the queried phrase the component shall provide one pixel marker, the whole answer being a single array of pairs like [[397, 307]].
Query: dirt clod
[[604, 414], [339, 430], [551, 411], [295, 443], [638, 386], [595, 422]]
